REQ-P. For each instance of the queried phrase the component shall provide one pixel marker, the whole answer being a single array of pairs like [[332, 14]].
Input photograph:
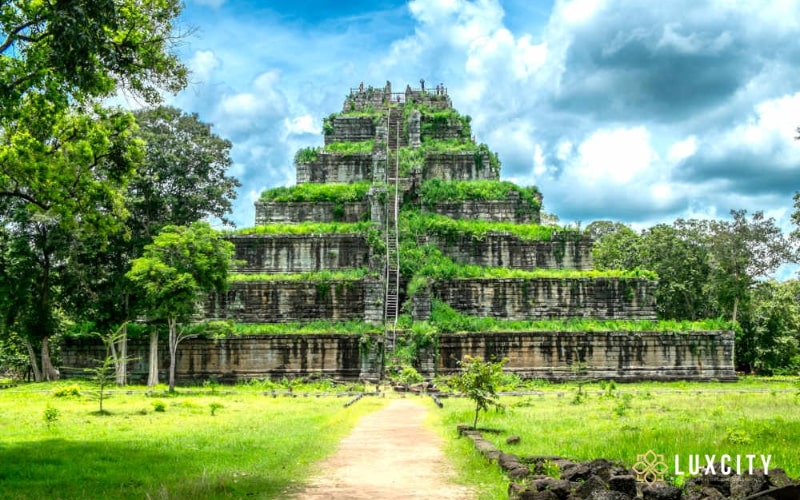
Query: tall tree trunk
[[49, 372], [37, 375], [121, 360], [173, 350], [735, 307], [152, 376]]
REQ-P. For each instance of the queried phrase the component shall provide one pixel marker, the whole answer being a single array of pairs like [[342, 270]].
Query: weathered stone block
[[627, 356], [290, 253], [287, 301], [287, 212], [508, 250], [551, 298]]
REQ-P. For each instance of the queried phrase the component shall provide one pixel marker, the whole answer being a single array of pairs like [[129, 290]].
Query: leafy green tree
[[64, 160], [616, 246], [677, 254], [743, 251], [181, 265], [182, 179], [769, 340], [71, 174], [72, 50], [479, 381]]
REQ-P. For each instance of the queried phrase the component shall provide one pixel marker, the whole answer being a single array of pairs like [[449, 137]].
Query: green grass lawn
[[255, 446], [617, 423]]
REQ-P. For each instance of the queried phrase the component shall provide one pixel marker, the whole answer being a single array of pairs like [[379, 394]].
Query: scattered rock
[[538, 495], [512, 440], [624, 484], [609, 495], [585, 490], [660, 491]]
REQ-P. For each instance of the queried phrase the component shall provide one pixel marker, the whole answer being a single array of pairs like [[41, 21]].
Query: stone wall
[[289, 253], [551, 298], [286, 301], [452, 130], [292, 212], [234, 359], [335, 168], [461, 166], [626, 356], [622, 356], [514, 211], [351, 129], [508, 250]]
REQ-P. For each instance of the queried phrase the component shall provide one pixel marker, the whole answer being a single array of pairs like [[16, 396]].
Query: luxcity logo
[[651, 466]]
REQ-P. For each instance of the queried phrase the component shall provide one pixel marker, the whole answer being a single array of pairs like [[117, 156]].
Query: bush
[[67, 391], [159, 406], [478, 381], [50, 415]]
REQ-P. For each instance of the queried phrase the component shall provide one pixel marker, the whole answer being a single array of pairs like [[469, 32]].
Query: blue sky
[[635, 111]]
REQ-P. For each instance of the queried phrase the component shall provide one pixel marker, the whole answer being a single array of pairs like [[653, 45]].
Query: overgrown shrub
[[479, 381]]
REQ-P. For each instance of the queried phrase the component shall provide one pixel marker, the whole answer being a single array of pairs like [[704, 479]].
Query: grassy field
[[622, 421], [254, 446], [259, 446]]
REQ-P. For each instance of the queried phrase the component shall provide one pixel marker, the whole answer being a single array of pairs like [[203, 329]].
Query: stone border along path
[[390, 454]]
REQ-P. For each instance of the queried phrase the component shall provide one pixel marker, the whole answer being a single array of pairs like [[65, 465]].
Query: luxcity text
[[724, 465]]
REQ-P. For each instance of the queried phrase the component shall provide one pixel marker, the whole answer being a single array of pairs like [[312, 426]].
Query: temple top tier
[[372, 98]]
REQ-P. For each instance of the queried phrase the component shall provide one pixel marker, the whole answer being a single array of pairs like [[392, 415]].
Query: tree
[[769, 340], [743, 251], [479, 380], [66, 183], [678, 255], [182, 179], [74, 50], [64, 160], [616, 247], [181, 265]]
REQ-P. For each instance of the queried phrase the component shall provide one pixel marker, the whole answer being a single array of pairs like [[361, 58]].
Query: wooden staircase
[[392, 270]]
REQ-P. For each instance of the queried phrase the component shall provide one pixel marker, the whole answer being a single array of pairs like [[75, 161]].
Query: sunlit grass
[[618, 423], [255, 446]]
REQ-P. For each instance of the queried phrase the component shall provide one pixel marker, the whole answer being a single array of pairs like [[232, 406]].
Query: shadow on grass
[[59, 468]]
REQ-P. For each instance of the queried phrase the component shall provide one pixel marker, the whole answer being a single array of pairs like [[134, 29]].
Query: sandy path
[[389, 455]]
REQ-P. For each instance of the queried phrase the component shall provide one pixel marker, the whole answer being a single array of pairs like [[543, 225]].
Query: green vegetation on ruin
[[445, 319], [336, 193], [156, 445], [326, 275], [353, 147], [414, 158], [306, 228], [418, 222], [424, 263], [435, 191], [298, 328]]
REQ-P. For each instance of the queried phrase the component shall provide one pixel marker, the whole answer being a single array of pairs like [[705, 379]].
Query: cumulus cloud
[[615, 108]]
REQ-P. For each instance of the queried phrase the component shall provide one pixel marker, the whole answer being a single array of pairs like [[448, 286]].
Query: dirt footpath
[[389, 455]]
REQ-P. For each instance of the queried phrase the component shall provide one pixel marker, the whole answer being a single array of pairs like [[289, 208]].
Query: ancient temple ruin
[[400, 218]]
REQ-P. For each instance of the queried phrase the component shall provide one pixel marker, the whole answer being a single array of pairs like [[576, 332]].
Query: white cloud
[[615, 156], [682, 149], [770, 127], [302, 125], [579, 11], [202, 65]]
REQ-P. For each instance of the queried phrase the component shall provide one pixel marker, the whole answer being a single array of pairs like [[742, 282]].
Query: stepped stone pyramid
[[400, 220], [396, 147]]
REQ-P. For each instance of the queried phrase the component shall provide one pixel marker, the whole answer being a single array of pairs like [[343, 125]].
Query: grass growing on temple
[[207, 444]]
